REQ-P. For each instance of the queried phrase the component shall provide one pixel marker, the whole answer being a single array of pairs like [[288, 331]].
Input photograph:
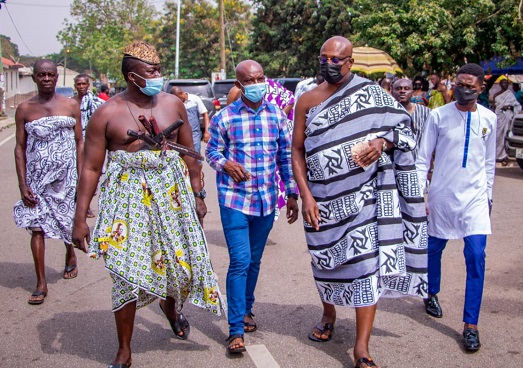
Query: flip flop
[[323, 328], [37, 301], [367, 361], [121, 365], [68, 269], [180, 325]]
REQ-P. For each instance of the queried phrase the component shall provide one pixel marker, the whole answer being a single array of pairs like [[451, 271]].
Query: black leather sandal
[[235, 348], [367, 361], [322, 328], [249, 326]]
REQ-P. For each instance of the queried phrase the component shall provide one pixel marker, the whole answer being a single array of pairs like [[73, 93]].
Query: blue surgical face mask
[[152, 87], [254, 92]]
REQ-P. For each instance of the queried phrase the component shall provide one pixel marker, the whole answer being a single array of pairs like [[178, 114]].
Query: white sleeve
[[426, 148], [201, 107], [490, 158]]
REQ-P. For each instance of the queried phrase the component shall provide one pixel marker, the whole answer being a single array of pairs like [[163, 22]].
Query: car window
[[221, 89], [65, 91], [202, 90]]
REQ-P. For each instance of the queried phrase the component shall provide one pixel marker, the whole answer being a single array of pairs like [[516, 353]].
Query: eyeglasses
[[334, 60]]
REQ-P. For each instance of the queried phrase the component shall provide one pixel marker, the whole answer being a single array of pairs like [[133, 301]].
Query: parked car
[[65, 91], [221, 90], [289, 83], [199, 87], [515, 139]]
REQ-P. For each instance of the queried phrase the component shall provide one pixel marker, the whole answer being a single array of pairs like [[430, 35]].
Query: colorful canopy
[[369, 60]]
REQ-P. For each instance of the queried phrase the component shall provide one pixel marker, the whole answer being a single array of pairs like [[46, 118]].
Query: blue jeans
[[246, 237], [474, 253]]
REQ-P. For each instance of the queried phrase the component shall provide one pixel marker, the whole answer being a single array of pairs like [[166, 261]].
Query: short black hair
[[472, 69], [128, 65], [38, 63], [83, 75], [104, 88]]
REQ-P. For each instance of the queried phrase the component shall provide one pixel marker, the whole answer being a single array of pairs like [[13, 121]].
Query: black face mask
[[331, 72], [464, 96]]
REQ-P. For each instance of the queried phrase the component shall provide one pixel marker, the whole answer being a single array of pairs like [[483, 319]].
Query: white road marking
[[261, 356], [7, 139]]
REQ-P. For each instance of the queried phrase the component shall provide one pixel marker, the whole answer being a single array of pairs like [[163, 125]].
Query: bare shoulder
[[166, 98], [314, 97]]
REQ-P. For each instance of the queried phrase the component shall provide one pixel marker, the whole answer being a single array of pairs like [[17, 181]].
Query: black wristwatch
[[201, 194], [293, 195]]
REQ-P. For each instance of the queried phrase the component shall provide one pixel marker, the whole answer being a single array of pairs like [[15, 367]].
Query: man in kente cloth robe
[[363, 210], [506, 107], [48, 153], [151, 204]]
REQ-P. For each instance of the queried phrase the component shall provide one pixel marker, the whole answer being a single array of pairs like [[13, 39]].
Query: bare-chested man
[[49, 149], [158, 249], [88, 104]]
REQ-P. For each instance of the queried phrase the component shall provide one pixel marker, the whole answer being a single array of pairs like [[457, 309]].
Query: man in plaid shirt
[[250, 140]]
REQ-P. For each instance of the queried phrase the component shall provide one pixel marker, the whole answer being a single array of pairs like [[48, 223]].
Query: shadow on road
[[510, 172], [78, 334], [22, 275]]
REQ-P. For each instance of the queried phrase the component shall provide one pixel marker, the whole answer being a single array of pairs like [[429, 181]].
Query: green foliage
[[288, 34], [199, 37], [438, 35], [9, 49], [100, 29]]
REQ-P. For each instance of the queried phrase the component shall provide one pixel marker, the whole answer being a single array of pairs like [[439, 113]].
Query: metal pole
[[65, 63], [222, 37], [177, 58], [2, 90]]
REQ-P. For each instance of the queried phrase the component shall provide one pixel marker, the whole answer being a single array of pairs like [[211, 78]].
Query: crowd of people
[[361, 156]]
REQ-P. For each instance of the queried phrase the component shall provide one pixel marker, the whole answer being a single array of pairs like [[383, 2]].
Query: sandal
[[37, 294], [323, 328], [68, 269], [122, 365], [236, 348], [249, 326], [180, 325], [367, 361]]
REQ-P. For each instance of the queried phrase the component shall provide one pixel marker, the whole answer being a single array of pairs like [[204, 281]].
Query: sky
[[34, 24]]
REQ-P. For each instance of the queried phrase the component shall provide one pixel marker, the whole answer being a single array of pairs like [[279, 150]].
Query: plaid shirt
[[259, 141]]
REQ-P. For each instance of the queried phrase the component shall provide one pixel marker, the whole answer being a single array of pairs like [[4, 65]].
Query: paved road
[[74, 327]]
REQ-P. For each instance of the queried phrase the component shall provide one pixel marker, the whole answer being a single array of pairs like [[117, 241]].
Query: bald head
[[338, 44], [247, 67], [178, 92], [46, 64]]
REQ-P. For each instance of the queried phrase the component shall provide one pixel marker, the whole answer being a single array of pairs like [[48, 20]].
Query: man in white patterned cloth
[[48, 155], [363, 211], [151, 203]]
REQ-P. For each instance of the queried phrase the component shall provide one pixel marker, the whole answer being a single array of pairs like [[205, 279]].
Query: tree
[[199, 37], [9, 49], [100, 29], [287, 35], [437, 35]]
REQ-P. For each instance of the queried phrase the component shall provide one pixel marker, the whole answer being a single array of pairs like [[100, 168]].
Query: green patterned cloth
[[149, 234]]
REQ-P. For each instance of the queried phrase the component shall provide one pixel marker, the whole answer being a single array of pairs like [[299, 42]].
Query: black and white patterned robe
[[51, 174], [372, 240]]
